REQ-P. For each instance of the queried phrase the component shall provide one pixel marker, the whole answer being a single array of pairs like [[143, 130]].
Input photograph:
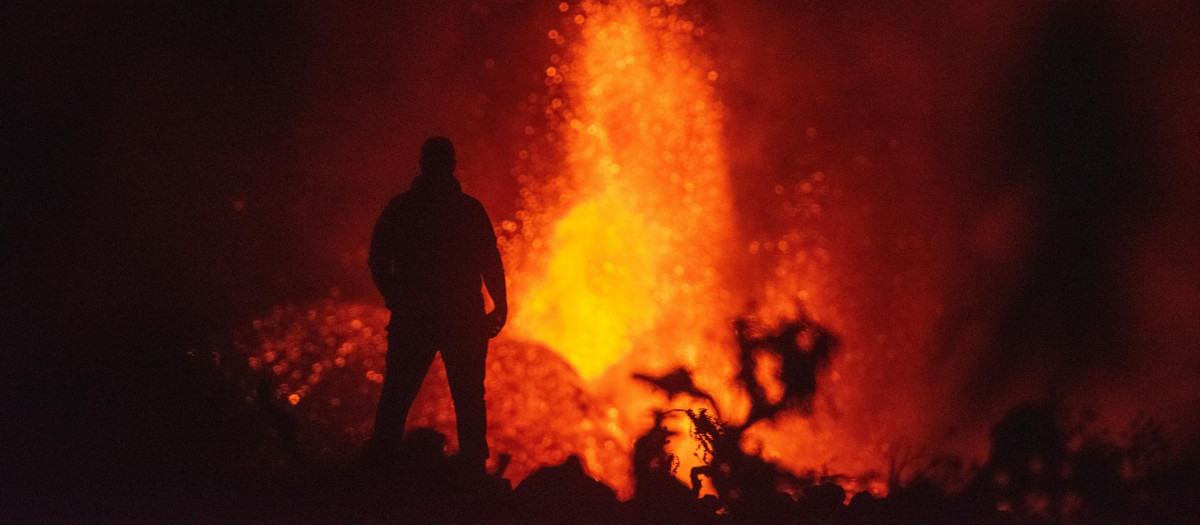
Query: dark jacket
[[431, 248]]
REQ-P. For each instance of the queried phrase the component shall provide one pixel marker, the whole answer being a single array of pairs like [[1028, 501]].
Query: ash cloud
[[1003, 189]]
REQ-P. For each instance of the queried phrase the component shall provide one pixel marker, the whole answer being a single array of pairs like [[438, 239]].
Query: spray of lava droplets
[[620, 260], [632, 259], [624, 252]]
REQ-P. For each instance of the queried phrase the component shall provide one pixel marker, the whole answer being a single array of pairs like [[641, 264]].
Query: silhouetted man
[[430, 248]]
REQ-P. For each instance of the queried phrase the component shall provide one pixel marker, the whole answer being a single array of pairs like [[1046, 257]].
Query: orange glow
[[619, 263], [632, 262]]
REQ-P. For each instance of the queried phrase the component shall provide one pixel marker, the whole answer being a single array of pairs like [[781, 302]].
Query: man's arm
[[383, 252], [493, 276]]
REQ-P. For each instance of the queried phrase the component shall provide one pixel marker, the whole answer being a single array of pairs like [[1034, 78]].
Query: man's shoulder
[[469, 200], [399, 200], [410, 199]]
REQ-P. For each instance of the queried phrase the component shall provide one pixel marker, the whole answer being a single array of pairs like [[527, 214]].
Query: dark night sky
[[138, 130], [132, 133]]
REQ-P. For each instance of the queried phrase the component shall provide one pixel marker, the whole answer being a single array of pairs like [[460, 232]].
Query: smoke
[[979, 195]]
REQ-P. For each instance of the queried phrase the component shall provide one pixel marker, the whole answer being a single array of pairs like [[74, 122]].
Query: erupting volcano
[[638, 288], [620, 262], [760, 255]]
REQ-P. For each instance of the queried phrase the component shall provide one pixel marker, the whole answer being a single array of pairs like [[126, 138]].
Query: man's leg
[[466, 364], [408, 358]]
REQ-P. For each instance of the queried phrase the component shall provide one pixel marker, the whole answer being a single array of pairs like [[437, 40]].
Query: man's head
[[437, 157]]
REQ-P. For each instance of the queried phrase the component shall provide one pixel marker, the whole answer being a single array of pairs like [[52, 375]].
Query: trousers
[[409, 355]]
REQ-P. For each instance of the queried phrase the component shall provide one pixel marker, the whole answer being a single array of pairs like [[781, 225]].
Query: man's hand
[[494, 321]]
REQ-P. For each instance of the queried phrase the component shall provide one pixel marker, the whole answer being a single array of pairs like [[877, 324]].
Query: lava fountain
[[620, 261], [633, 259]]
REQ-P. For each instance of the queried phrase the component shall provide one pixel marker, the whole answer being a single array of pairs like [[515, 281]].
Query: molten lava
[[634, 260]]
